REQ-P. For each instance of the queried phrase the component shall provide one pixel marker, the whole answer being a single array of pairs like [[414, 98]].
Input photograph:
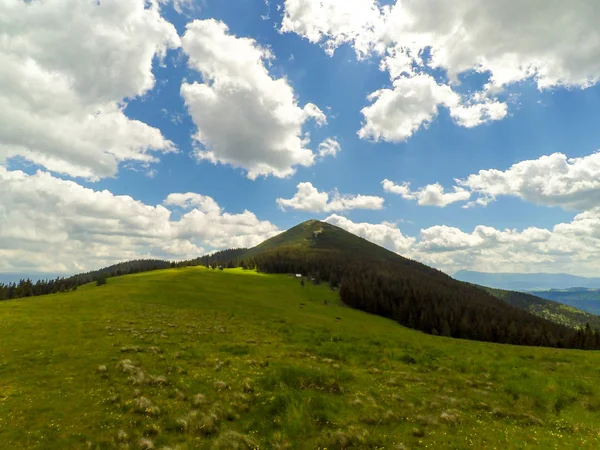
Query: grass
[[194, 358]]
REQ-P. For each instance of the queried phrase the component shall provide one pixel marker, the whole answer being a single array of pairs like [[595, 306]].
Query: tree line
[[412, 294], [28, 288]]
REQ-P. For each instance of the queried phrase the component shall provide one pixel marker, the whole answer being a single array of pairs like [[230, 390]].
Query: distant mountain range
[[581, 298], [527, 281]]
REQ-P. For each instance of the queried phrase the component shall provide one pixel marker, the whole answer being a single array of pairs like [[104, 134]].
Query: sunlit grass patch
[[200, 358]]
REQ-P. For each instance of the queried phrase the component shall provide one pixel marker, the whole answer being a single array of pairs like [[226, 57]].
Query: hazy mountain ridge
[[527, 281], [555, 311], [582, 298]]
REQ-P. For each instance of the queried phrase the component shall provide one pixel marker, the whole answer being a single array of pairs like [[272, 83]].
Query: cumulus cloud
[[509, 42], [308, 198], [385, 234], [245, 117], [56, 226], [552, 180], [571, 247], [68, 69], [191, 200], [431, 195], [329, 147], [396, 114], [333, 22]]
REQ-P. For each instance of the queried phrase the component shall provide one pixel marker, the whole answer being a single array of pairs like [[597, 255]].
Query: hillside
[[195, 358], [548, 309], [381, 282], [372, 279], [526, 281], [322, 236], [581, 298]]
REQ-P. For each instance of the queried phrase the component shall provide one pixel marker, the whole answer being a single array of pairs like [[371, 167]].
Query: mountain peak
[[324, 237]]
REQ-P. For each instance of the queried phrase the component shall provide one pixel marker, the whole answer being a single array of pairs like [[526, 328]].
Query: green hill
[[376, 280], [548, 309], [315, 236], [195, 358]]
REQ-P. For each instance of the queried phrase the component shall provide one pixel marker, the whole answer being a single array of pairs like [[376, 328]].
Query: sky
[[460, 134]]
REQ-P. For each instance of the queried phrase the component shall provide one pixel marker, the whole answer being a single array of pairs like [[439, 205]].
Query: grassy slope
[[329, 237], [320, 375], [548, 309]]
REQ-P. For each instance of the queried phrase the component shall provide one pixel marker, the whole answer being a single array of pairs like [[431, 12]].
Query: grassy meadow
[[194, 358]]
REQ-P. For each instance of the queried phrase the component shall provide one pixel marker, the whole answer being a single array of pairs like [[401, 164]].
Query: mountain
[[555, 311], [526, 281], [369, 278], [582, 298], [378, 281], [322, 236]]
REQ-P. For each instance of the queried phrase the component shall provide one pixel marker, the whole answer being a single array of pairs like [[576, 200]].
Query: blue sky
[[75, 195]]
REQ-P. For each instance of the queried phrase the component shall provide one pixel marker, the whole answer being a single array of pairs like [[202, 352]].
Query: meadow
[[194, 358]]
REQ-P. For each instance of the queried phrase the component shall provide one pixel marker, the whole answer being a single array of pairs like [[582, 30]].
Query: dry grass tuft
[[208, 425], [278, 442], [198, 400], [159, 381], [126, 366], [180, 395], [235, 441], [220, 385], [418, 432], [145, 444], [247, 386], [131, 349], [138, 377], [144, 405], [450, 417], [122, 436]]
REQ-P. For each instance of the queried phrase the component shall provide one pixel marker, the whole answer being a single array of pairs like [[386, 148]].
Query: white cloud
[[568, 247], [396, 114], [308, 198], [553, 180], [509, 42], [68, 69], [512, 40], [56, 226], [385, 234], [333, 22], [430, 195], [245, 117], [185, 6], [329, 147], [192, 200]]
